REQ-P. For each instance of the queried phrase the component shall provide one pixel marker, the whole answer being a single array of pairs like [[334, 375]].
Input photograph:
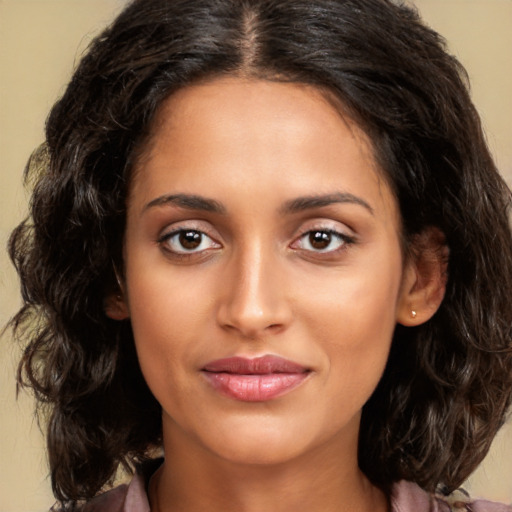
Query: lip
[[254, 379]]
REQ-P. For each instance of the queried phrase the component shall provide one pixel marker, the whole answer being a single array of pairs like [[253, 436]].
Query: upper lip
[[254, 366]]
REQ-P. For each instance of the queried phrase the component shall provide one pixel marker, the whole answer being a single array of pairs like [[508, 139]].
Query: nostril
[[254, 305]]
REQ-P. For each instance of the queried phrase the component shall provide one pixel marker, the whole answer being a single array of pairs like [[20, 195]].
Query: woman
[[267, 237]]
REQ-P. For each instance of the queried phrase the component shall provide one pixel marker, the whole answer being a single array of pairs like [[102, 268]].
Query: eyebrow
[[299, 204], [188, 201], [318, 201]]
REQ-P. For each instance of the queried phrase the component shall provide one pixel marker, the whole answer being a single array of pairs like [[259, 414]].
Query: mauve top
[[406, 497]]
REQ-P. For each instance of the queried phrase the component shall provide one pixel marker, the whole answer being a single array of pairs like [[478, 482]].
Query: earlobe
[[425, 277], [115, 307]]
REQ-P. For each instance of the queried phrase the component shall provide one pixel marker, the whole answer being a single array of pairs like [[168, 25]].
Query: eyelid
[[184, 225], [327, 225], [343, 239], [346, 236], [173, 230]]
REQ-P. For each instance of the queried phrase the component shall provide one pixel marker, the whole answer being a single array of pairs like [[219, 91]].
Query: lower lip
[[254, 388]]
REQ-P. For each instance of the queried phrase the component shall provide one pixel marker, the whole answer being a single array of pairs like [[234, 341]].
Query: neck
[[322, 480]]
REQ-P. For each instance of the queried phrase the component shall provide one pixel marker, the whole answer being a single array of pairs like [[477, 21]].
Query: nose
[[254, 302]]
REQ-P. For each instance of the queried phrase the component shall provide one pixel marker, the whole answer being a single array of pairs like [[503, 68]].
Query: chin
[[253, 442], [259, 452]]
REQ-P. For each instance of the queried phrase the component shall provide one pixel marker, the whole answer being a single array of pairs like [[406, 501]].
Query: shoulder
[[408, 497], [130, 497], [110, 501]]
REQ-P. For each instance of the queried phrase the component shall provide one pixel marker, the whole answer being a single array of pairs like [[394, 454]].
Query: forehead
[[296, 107], [228, 131]]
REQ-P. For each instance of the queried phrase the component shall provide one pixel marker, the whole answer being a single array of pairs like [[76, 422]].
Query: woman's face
[[264, 273]]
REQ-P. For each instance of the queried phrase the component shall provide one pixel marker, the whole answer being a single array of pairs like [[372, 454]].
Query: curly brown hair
[[448, 382]]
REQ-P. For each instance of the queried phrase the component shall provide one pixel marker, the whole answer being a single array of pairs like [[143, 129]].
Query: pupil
[[190, 239], [320, 239]]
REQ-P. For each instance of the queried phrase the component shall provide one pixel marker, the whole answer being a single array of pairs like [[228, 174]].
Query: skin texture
[[258, 285]]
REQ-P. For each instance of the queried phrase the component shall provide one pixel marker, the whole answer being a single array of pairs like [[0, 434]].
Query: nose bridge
[[255, 300]]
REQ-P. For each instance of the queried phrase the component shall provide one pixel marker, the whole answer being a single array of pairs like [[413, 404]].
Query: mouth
[[254, 380]]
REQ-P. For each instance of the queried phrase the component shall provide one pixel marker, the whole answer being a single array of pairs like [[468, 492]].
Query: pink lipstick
[[254, 380]]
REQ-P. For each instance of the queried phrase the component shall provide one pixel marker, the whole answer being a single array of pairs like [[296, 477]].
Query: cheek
[[353, 319], [161, 297], [164, 314], [353, 300]]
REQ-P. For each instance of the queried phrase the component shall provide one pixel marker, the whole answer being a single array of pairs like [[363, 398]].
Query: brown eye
[[320, 240], [187, 241], [190, 239], [323, 241]]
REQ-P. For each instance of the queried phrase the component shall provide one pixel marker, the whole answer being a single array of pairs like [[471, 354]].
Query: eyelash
[[344, 240], [165, 239]]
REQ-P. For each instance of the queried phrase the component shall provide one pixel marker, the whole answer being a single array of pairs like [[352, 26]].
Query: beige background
[[39, 42]]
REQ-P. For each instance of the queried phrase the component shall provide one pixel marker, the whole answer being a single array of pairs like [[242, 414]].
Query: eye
[[322, 240], [187, 241]]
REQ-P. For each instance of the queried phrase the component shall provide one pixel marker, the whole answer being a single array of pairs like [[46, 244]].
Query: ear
[[115, 307], [424, 279]]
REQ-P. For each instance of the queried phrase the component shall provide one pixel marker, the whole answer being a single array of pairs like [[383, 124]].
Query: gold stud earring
[[413, 313]]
